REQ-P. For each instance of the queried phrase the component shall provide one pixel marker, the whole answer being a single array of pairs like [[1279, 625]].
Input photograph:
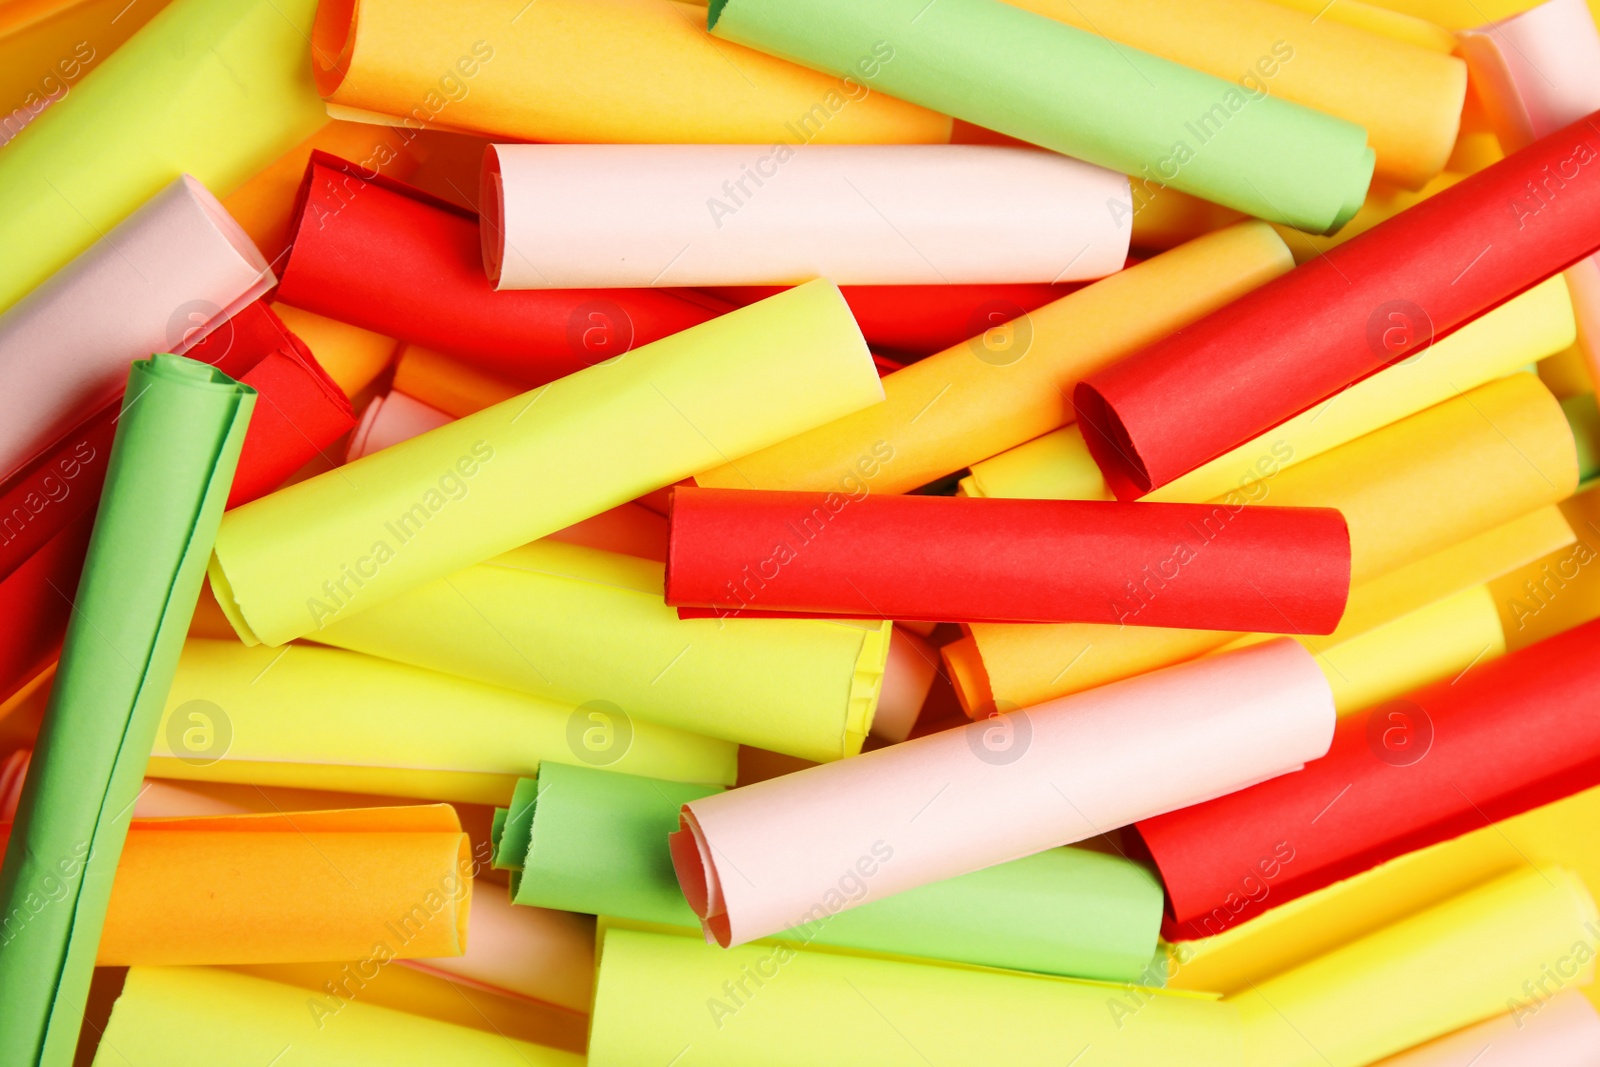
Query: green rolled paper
[[171, 465], [1078, 93], [662, 998], [576, 840]]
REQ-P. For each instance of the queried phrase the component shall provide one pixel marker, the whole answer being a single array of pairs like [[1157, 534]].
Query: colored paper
[[155, 283], [1379, 298], [352, 357], [661, 995], [1012, 381], [1506, 736], [171, 465], [453, 386], [567, 216], [431, 289], [1444, 968], [194, 1016], [240, 96], [328, 547], [308, 886], [390, 419], [1563, 1032], [583, 840], [526, 952], [1524, 330], [322, 718], [1070, 91], [961, 800], [539, 76], [1407, 98], [969, 560], [568, 622]]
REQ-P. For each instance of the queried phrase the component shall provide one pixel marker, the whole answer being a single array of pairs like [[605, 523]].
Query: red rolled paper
[[1369, 302], [956, 559], [1510, 735], [379, 254], [919, 320]]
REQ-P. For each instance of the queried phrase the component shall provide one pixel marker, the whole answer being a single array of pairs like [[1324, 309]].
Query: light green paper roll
[[336, 544], [213, 89], [581, 840], [667, 999], [171, 466], [1077, 93], [572, 622]]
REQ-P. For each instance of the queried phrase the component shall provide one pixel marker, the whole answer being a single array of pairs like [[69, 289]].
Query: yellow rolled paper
[[214, 90], [589, 71], [1377, 19], [1013, 380], [324, 718], [1522, 331], [47, 46], [328, 547], [1460, 14], [1561, 589], [353, 357], [1447, 967], [665, 998], [566, 621], [1408, 98]]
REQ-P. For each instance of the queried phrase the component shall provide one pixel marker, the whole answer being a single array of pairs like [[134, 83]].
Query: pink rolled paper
[[1535, 73], [792, 850], [595, 216], [156, 282], [390, 419], [1544, 1031], [523, 951]]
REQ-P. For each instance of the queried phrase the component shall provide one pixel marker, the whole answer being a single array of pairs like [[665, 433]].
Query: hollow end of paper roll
[[1357, 194], [907, 676], [492, 216], [463, 898], [1110, 445], [363, 432], [964, 666], [234, 234], [697, 877], [222, 590], [333, 42]]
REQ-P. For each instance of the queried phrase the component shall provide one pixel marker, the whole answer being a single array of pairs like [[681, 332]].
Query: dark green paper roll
[[171, 465], [583, 840], [1080, 94]]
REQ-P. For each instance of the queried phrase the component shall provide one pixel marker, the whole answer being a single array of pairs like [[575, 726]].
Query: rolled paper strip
[[1016, 665], [919, 320], [527, 952], [1407, 98], [1068, 90], [431, 289], [1536, 72], [972, 560], [333, 545], [569, 622], [194, 1016], [453, 386], [171, 464], [961, 800], [323, 718], [560, 216], [1563, 1031], [156, 282], [1506, 736], [1366, 1000], [653, 989], [1524, 330], [353, 357], [390, 419], [144, 120], [1383, 19], [659, 79], [267, 888], [45, 49], [1011, 382], [1381, 297], [587, 841]]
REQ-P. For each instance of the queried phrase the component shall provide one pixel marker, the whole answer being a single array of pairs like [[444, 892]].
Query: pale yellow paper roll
[[1013, 380], [324, 718], [565, 621], [1378, 19], [589, 71], [1559, 590], [1440, 970], [336, 544], [1408, 98], [1522, 331]]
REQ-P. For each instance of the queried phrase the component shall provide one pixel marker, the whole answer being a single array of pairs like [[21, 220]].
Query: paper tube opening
[[223, 592], [907, 676], [968, 677], [492, 219], [333, 42], [690, 869], [363, 432], [1110, 444]]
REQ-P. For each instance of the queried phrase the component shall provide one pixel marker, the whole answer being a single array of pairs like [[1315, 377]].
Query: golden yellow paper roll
[[353, 357], [589, 71], [1559, 590], [1013, 380], [453, 386]]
